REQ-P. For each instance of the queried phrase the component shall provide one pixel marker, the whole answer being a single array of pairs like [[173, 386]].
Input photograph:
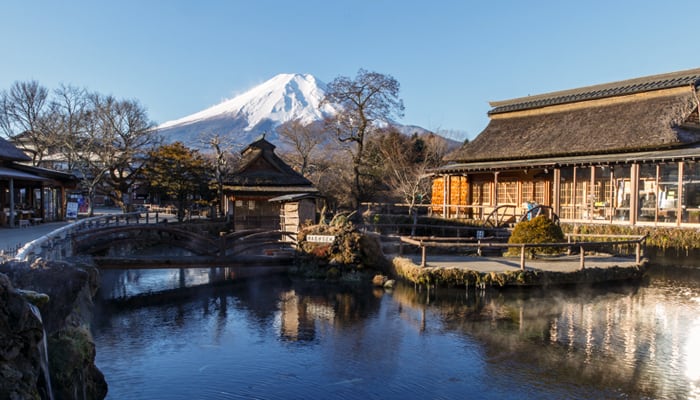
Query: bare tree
[[305, 140], [408, 162], [114, 146], [22, 110], [224, 161], [367, 101], [66, 123]]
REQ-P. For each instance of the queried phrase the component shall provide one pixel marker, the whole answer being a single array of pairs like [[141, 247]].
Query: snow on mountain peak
[[283, 98]]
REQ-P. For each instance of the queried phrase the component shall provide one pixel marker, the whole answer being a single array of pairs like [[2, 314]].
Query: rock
[[72, 365], [69, 288], [36, 298], [20, 335]]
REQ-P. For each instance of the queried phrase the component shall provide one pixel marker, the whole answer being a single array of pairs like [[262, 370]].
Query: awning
[[9, 173], [294, 197]]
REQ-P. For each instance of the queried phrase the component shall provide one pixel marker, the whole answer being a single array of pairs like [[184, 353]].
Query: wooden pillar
[[656, 195], [448, 198], [573, 195], [612, 194], [444, 195], [556, 191], [634, 193], [679, 205], [495, 189], [591, 194], [12, 203]]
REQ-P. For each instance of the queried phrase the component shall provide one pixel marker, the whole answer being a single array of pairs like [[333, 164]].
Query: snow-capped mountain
[[283, 98]]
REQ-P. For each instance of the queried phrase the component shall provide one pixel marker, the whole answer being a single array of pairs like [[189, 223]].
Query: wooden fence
[[425, 243]]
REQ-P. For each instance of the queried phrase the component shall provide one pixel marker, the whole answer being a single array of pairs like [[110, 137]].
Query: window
[[481, 193], [647, 188], [691, 192], [507, 192]]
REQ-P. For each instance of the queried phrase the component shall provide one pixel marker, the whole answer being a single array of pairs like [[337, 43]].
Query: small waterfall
[[44, 353]]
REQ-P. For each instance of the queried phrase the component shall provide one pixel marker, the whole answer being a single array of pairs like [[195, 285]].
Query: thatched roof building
[[651, 113], [262, 176], [606, 152], [261, 170]]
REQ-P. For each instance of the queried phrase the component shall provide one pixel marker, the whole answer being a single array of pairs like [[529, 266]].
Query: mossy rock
[[71, 358]]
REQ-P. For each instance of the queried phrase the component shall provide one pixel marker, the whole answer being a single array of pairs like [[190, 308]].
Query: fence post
[[222, 244], [583, 256], [422, 259], [522, 257], [638, 251]]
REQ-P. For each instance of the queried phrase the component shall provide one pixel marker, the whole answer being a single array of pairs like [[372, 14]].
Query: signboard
[[72, 210], [320, 238], [479, 234]]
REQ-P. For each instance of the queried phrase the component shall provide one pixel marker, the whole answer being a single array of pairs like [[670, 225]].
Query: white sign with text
[[320, 238]]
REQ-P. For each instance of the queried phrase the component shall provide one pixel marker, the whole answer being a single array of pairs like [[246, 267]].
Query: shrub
[[538, 230]]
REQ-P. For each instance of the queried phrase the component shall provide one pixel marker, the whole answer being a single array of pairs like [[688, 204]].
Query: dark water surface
[[274, 338]]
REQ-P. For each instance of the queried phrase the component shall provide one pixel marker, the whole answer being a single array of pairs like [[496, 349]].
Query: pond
[[277, 338]]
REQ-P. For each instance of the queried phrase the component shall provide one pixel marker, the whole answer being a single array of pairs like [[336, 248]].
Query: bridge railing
[[57, 244]]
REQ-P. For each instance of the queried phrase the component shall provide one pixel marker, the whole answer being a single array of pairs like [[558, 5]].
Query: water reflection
[[643, 341], [310, 339]]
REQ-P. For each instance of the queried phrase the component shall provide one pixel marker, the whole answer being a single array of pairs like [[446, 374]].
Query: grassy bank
[[661, 237], [405, 269]]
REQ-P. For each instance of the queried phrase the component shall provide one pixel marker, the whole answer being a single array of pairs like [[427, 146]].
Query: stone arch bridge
[[116, 241]]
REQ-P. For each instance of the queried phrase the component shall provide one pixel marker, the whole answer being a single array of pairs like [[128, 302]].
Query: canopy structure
[[9, 173]]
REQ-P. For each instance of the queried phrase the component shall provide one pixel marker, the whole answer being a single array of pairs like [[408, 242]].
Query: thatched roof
[[649, 113], [261, 170], [9, 152]]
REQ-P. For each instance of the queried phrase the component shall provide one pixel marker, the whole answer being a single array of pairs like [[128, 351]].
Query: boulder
[[20, 335], [69, 288]]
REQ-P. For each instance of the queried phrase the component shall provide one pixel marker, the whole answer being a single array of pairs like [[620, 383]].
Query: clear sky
[[450, 57]]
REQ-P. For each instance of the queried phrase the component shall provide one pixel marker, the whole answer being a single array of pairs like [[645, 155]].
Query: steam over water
[[272, 338]]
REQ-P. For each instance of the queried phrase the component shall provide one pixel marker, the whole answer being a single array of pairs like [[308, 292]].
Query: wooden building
[[30, 194], [262, 176], [625, 152]]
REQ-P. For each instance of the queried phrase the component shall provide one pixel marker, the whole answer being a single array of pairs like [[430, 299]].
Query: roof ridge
[[628, 86]]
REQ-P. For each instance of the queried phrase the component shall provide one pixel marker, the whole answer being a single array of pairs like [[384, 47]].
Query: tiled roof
[[10, 152], [631, 86]]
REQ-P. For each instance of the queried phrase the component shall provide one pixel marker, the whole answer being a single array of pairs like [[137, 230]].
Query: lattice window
[[481, 193], [507, 193]]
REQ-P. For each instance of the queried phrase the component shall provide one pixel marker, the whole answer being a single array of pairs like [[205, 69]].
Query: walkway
[[14, 238]]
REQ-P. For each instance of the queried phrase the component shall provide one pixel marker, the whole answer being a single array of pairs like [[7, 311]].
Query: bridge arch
[[100, 240]]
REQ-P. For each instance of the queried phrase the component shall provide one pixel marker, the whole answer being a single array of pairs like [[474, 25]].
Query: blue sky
[[450, 57]]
